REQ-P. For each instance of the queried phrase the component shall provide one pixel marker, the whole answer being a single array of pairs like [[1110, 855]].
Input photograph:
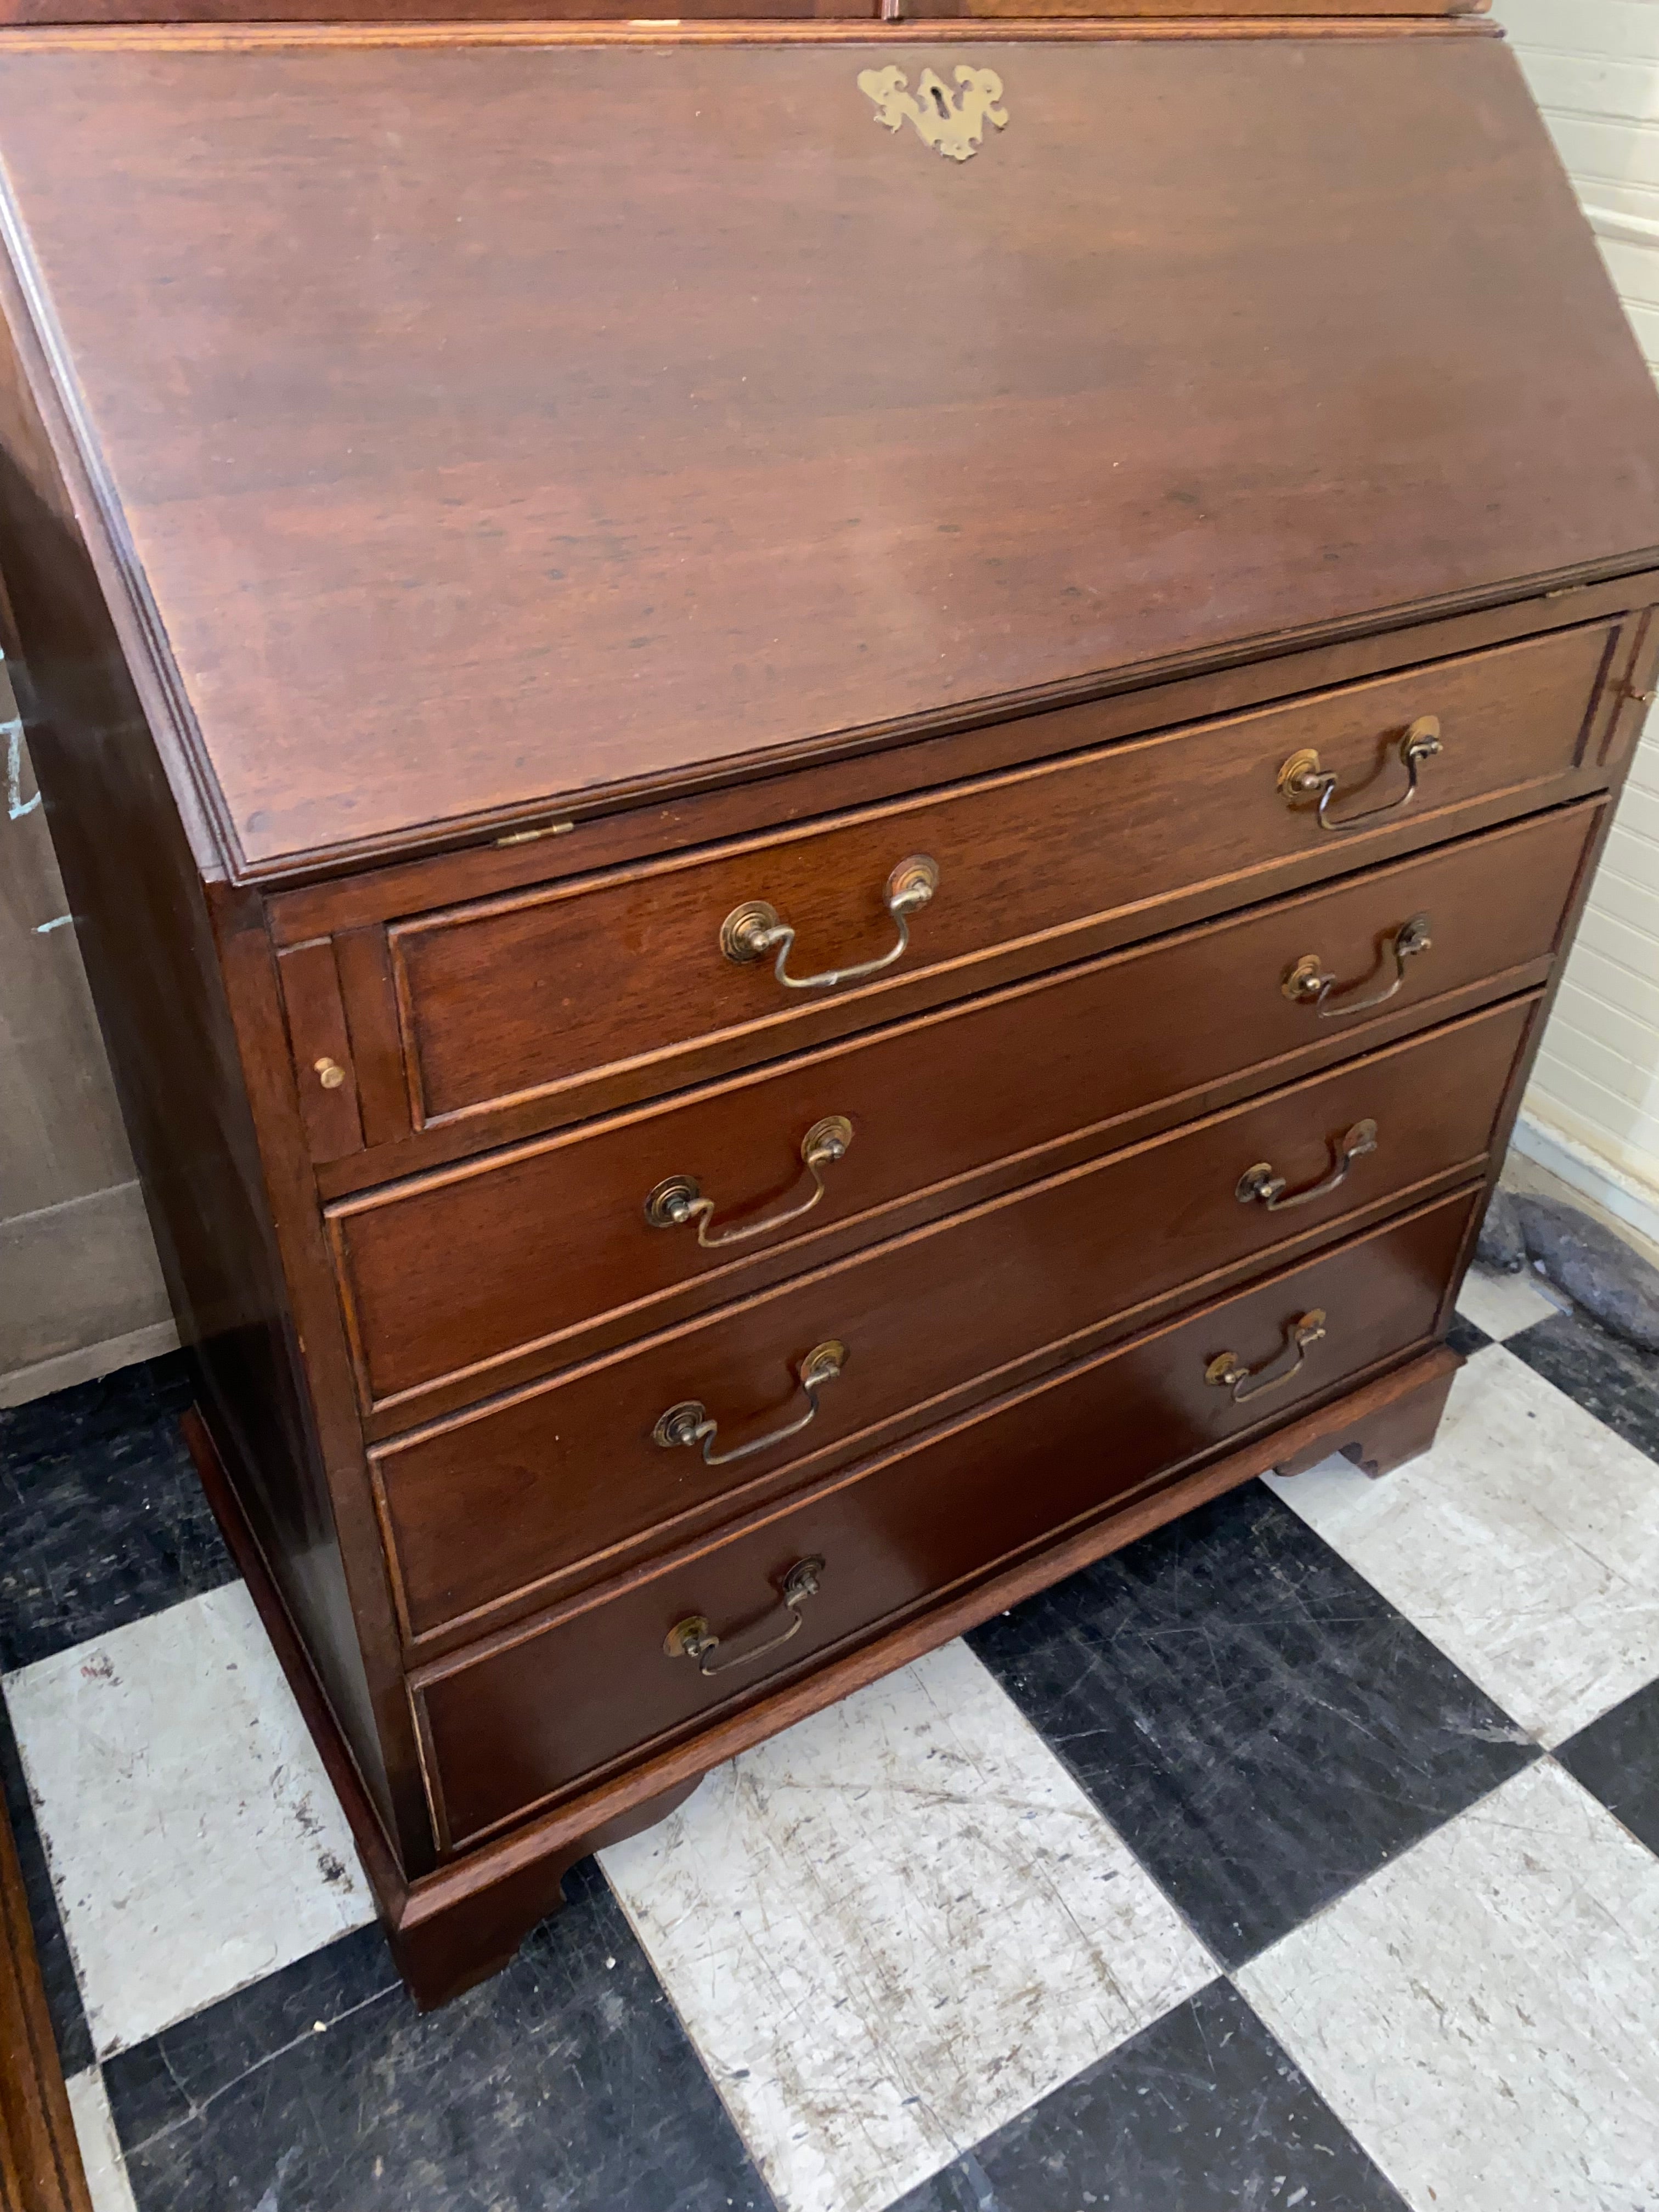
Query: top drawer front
[[536, 993]]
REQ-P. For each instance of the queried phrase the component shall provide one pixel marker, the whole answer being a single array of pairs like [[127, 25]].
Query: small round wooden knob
[[330, 1074]]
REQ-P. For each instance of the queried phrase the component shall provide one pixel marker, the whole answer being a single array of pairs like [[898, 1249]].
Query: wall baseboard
[[1625, 1201], [87, 1364]]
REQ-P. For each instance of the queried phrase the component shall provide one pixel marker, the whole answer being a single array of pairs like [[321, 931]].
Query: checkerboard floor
[[1304, 1854]]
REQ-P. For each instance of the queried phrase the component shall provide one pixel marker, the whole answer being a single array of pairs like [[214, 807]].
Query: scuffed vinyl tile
[[102, 1519], [194, 1840], [1617, 1759], [891, 1929], [1261, 1727], [1201, 2112], [1503, 1305], [564, 2084], [1616, 1381], [1484, 2014], [1525, 1543], [101, 2150]]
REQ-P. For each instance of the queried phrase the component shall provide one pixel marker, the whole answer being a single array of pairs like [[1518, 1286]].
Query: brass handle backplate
[[678, 1199], [752, 930], [1225, 1371], [1302, 779], [689, 1423], [1308, 984], [1259, 1182], [692, 1638]]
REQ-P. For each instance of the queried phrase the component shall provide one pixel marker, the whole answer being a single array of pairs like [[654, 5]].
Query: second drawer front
[[507, 1730], [454, 1275], [486, 1505]]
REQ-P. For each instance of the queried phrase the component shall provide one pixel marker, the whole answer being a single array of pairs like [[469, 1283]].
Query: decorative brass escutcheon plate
[[951, 122]]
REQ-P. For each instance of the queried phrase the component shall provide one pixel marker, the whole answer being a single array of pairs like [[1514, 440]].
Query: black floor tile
[[102, 1520], [1599, 1371], [565, 2082], [1201, 2113], [69, 2019], [161, 2085], [1260, 1726], [1617, 1759]]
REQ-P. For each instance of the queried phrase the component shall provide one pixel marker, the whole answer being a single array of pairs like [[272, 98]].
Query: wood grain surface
[[609, 425], [625, 973], [502, 1739], [484, 1506], [460, 1284], [37, 12], [460, 483]]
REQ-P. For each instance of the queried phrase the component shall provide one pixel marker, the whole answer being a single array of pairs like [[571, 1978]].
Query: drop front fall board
[[822, 780]]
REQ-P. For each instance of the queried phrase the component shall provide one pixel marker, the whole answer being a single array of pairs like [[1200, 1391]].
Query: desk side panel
[[160, 944]]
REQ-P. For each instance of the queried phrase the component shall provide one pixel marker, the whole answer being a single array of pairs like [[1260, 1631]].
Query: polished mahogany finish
[[819, 874], [536, 993], [40, 2167], [516, 499], [458, 1283], [895, 1531], [692, 11], [486, 1505]]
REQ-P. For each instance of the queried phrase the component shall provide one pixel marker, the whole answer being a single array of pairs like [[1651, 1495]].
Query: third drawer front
[[491, 1503], [517, 1724], [450, 1278]]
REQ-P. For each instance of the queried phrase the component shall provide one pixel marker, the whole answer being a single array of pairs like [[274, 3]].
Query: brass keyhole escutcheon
[[951, 122]]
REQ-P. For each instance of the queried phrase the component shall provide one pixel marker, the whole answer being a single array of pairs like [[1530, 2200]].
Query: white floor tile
[[893, 1928], [1484, 2013], [1525, 1544], [101, 2150], [1503, 1305], [194, 1840]]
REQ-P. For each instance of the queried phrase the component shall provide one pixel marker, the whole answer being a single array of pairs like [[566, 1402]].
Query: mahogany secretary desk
[[821, 778]]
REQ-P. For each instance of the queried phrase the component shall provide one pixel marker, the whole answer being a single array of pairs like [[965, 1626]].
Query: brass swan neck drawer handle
[[1302, 778], [691, 1638], [689, 1423], [1224, 1372], [1308, 984], [752, 930], [678, 1199], [1261, 1182]]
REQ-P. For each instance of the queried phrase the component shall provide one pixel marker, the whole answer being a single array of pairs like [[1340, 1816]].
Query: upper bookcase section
[[480, 418]]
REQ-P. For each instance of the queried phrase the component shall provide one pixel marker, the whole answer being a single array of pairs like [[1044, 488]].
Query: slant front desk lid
[[492, 418]]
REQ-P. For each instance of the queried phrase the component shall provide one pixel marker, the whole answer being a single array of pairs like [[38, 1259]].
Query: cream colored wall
[[1592, 1112]]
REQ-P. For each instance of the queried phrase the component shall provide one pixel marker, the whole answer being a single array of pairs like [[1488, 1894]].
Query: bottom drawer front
[[514, 1726]]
